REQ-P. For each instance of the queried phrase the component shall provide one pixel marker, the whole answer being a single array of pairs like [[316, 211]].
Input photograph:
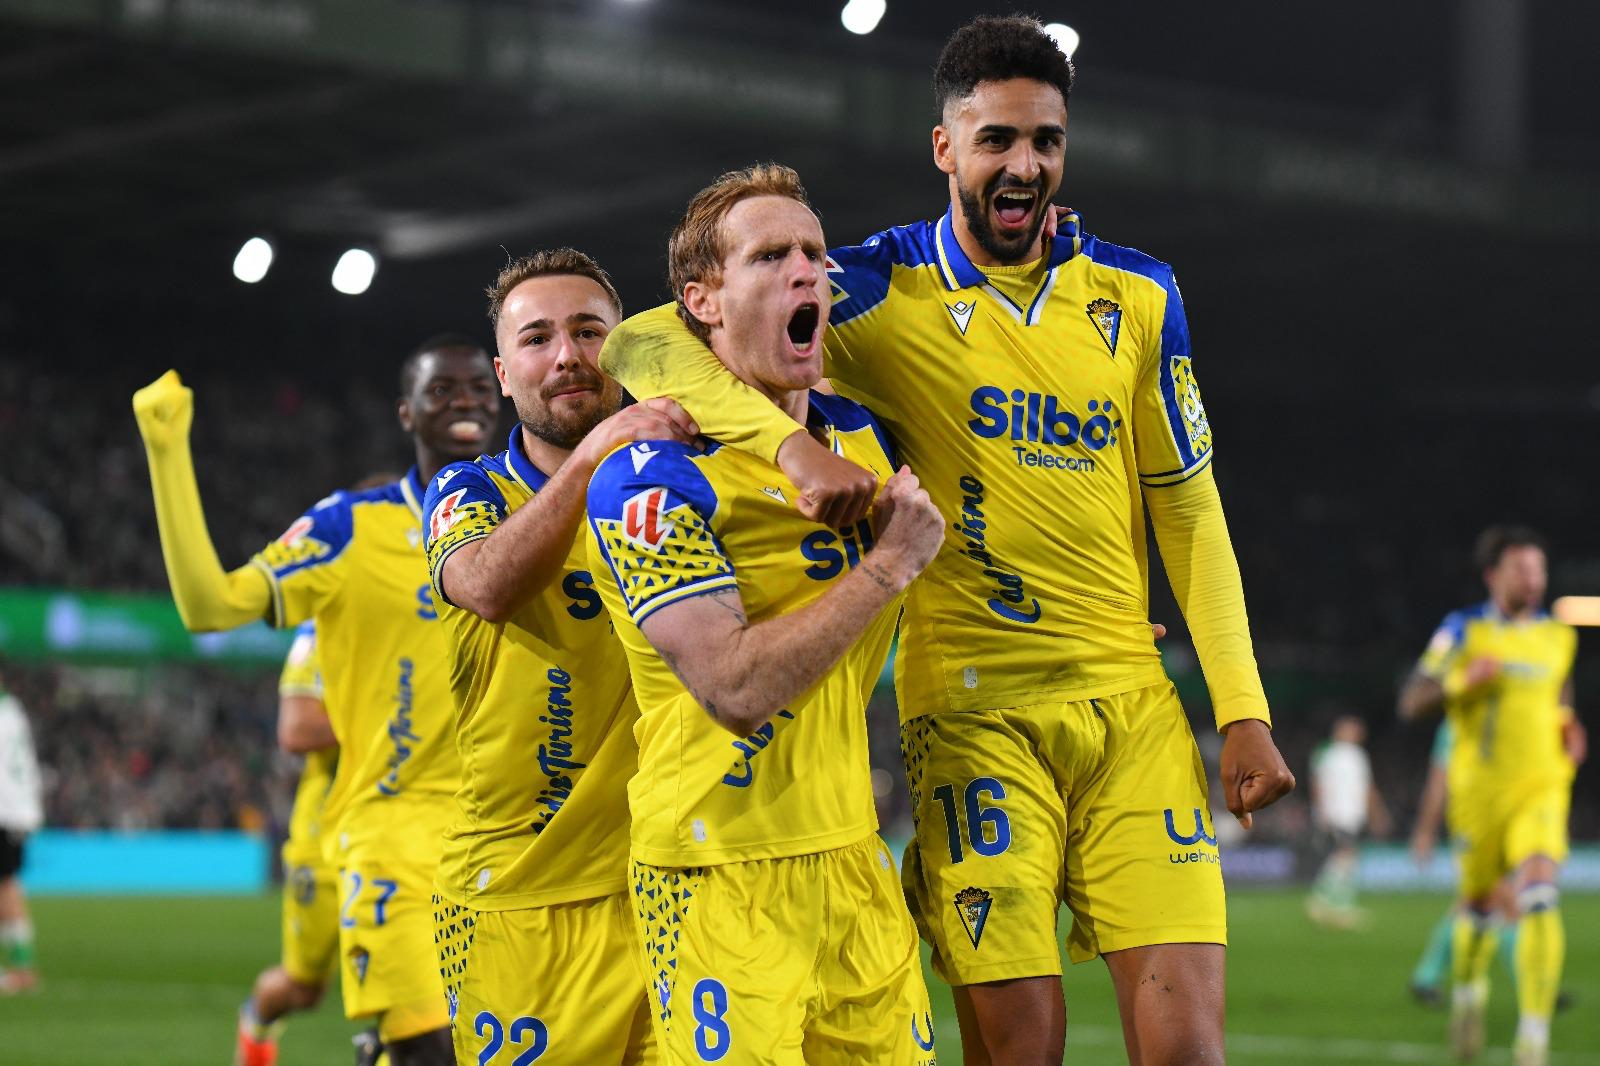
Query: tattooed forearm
[[729, 601], [879, 576], [672, 664]]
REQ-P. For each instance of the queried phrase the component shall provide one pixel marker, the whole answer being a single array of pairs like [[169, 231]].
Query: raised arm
[[654, 354], [208, 597], [743, 674], [497, 575]]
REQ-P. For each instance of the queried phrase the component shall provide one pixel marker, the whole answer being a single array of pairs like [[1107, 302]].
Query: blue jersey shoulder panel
[[461, 484], [647, 465], [847, 416]]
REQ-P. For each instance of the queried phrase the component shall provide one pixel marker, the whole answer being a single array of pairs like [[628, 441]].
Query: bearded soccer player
[[1047, 400], [354, 562], [533, 919], [772, 923], [1502, 673]]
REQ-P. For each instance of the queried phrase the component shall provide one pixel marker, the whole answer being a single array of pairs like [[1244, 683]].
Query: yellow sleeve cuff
[[1198, 555], [654, 354]]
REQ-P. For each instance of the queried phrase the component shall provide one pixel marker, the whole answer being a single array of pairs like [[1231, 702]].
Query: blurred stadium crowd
[[175, 747]]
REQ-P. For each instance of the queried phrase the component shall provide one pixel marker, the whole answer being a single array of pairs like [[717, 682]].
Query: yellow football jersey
[[669, 522], [545, 715], [302, 676], [355, 563], [1033, 402], [1507, 732]]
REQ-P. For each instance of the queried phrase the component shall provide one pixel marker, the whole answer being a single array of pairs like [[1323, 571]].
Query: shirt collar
[[521, 466], [959, 272], [411, 488]]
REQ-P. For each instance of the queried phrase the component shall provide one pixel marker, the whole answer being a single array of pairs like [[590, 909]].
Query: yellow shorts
[[1100, 804], [557, 984], [310, 918], [387, 959], [1498, 835], [804, 960]]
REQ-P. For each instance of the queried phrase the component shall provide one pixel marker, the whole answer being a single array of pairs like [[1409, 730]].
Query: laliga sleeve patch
[[445, 516], [643, 519], [1188, 413]]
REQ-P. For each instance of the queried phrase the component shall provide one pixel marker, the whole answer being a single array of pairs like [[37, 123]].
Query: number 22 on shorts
[[988, 830], [527, 1033]]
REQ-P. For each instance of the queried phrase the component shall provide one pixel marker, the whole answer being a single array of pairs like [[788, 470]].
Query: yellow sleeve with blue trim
[[306, 566], [1200, 564], [653, 525], [1172, 436], [302, 671], [654, 354], [1172, 442], [462, 505]]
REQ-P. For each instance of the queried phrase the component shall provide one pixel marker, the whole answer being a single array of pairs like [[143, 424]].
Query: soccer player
[[21, 813], [772, 924], [1502, 672], [1046, 401], [533, 919], [1343, 801], [355, 563], [310, 886]]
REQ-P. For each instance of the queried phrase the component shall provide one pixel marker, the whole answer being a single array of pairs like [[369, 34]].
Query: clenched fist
[[164, 410], [908, 527]]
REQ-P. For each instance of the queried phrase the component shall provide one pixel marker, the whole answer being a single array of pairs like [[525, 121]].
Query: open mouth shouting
[[805, 329], [1014, 210]]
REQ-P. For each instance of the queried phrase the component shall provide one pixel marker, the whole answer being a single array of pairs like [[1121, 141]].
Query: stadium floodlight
[[1065, 36], [253, 261], [863, 16], [352, 274], [1577, 610]]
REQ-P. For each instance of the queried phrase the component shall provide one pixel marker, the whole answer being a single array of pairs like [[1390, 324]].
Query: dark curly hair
[[996, 48], [1495, 541]]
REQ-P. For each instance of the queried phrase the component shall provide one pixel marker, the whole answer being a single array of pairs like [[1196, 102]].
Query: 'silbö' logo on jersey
[[1039, 418]]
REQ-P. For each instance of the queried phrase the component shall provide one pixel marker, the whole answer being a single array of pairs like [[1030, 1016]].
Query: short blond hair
[[697, 245], [543, 263]]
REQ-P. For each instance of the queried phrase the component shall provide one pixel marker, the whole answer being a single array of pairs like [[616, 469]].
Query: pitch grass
[[157, 981]]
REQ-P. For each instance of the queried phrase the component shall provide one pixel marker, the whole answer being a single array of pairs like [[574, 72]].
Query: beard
[[566, 429], [1008, 250]]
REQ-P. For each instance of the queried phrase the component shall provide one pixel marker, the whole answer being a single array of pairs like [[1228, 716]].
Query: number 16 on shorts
[[986, 830]]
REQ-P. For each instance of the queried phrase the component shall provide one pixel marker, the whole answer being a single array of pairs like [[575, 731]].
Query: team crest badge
[[972, 907], [835, 272], [359, 960], [1107, 319]]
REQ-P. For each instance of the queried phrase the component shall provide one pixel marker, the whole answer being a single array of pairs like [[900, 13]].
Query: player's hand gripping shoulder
[[834, 491], [164, 410], [1254, 774], [655, 419]]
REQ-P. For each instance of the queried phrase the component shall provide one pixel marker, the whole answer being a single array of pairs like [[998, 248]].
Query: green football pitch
[[158, 981]]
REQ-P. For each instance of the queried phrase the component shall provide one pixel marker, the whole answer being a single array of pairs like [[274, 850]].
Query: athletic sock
[[16, 944], [1541, 951], [1472, 950], [1435, 959]]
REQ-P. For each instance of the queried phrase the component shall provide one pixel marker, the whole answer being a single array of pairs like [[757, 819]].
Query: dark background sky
[[1392, 322]]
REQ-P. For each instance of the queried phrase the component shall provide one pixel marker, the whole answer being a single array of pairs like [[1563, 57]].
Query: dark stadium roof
[[1265, 153]]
